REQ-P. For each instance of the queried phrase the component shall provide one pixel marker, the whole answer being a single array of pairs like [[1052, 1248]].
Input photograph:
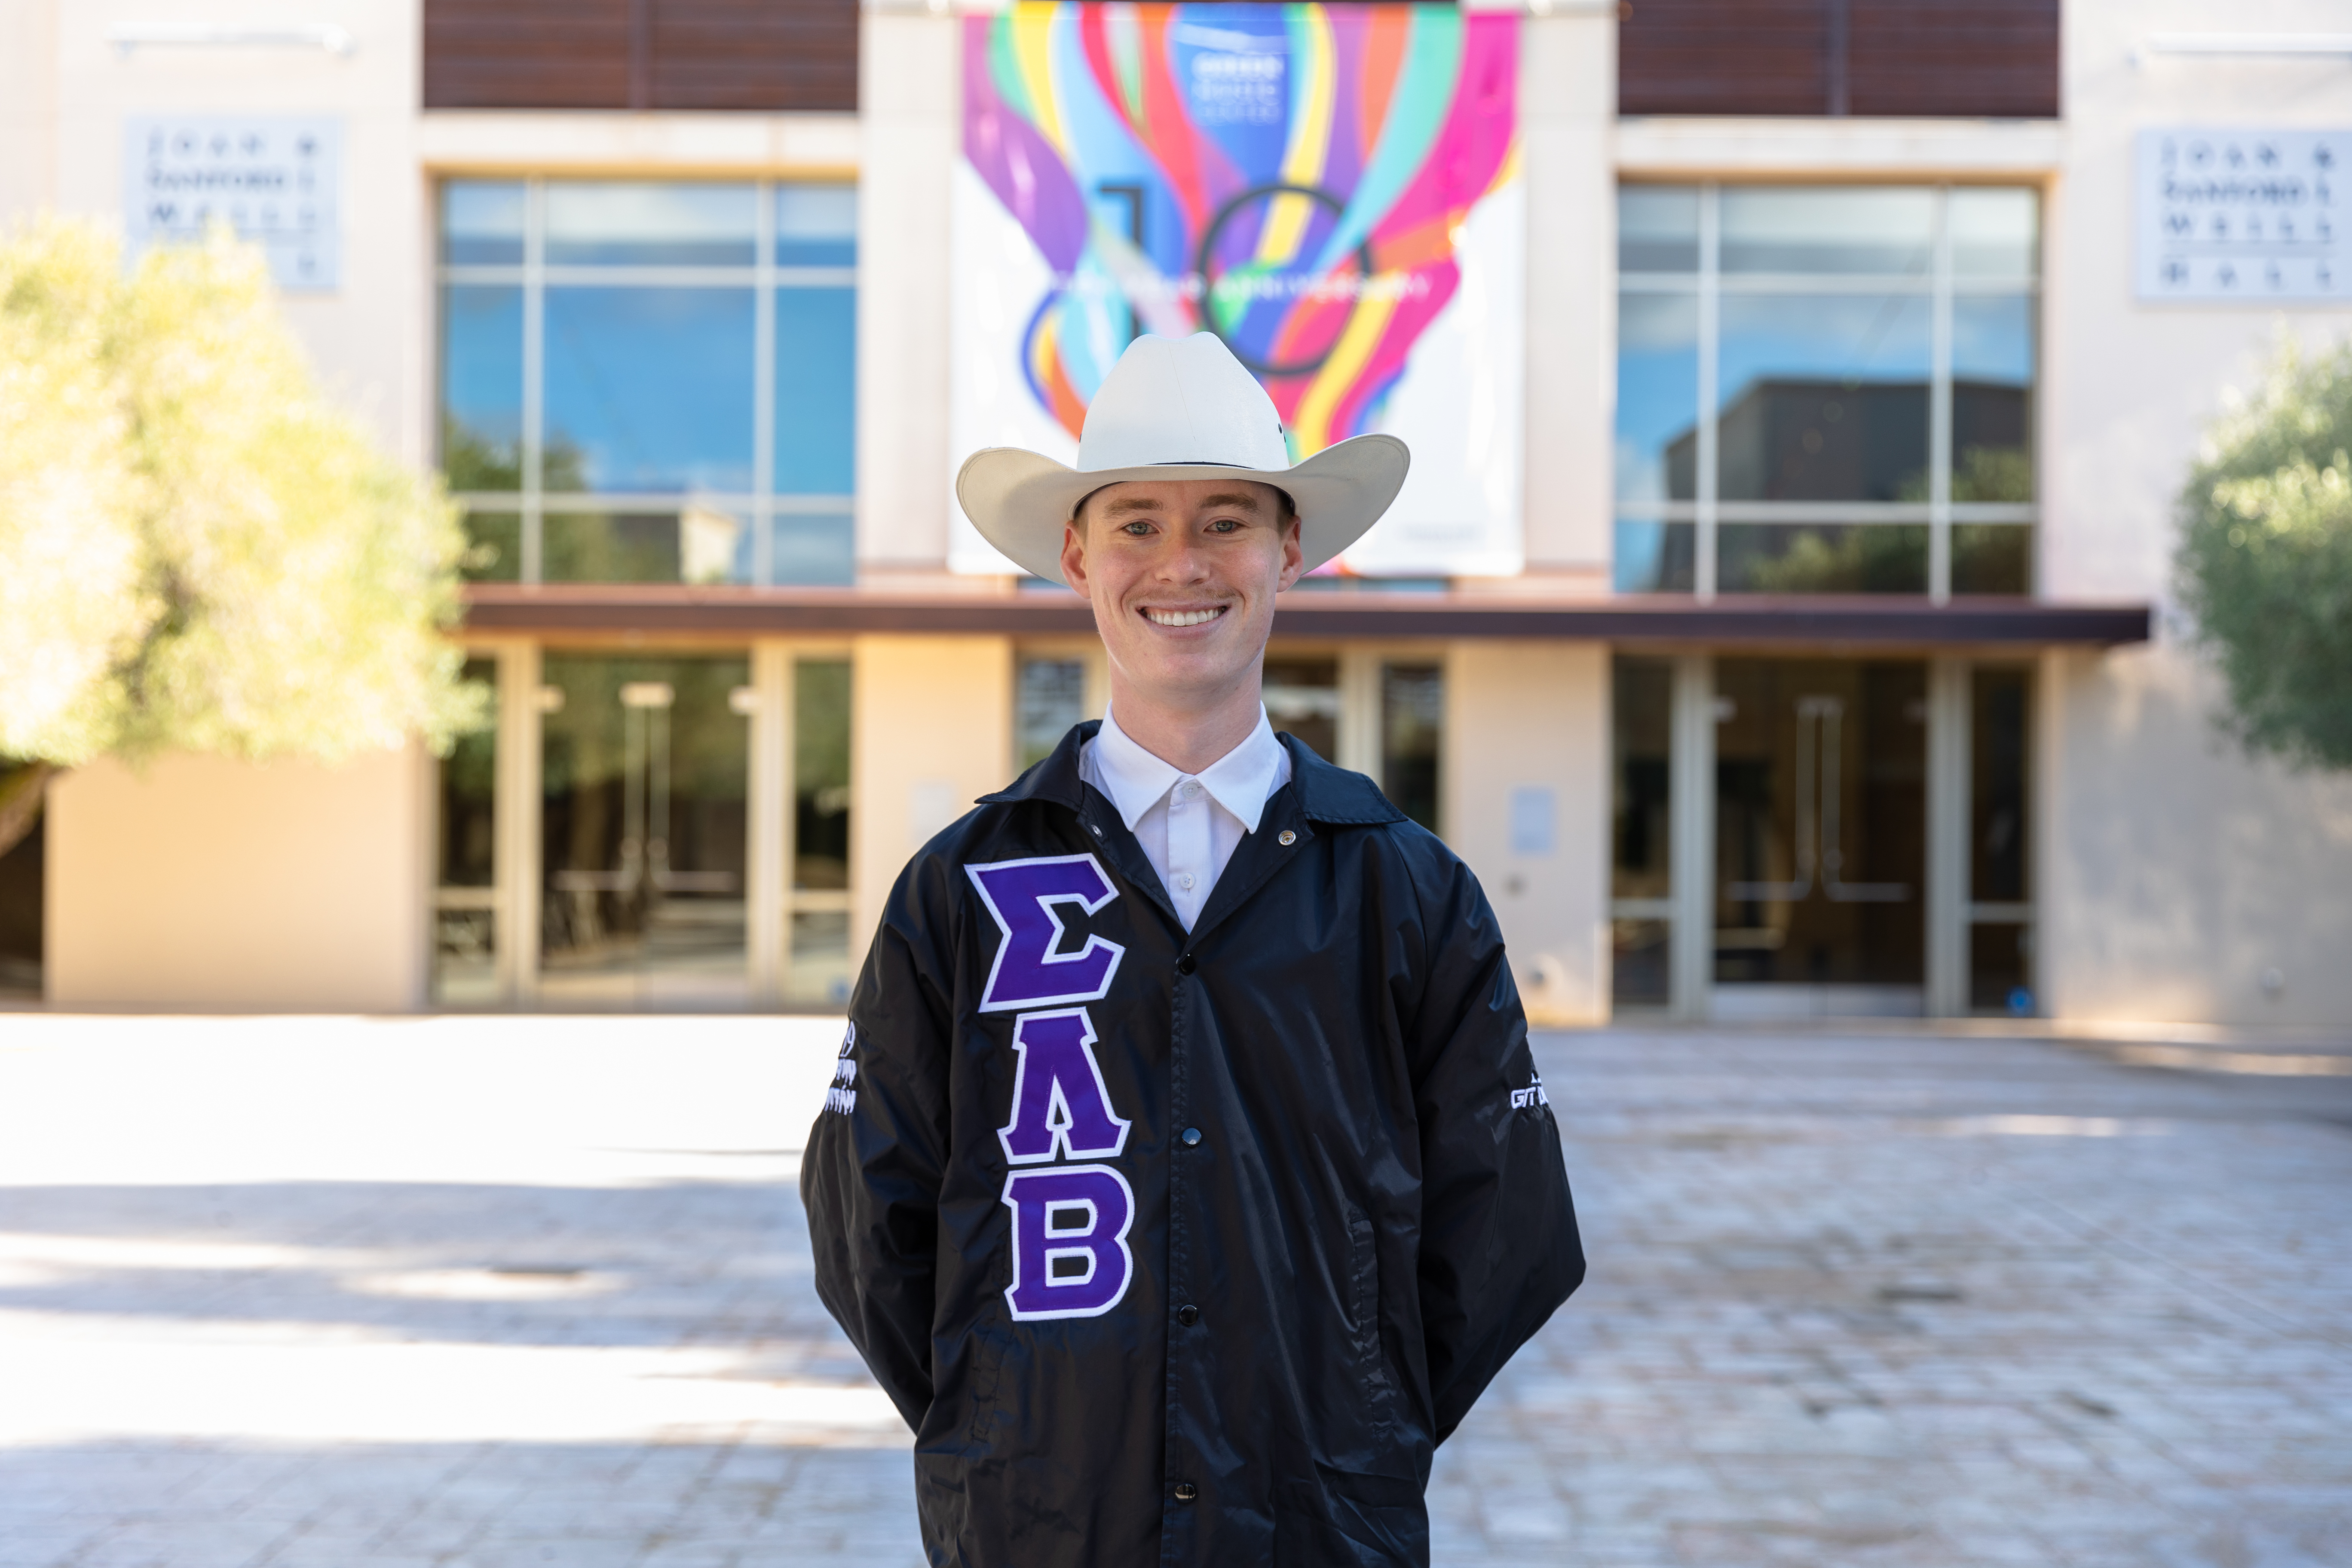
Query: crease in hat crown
[[1178, 408]]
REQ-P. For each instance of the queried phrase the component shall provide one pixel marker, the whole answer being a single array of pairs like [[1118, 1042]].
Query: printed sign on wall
[[273, 180], [1334, 189], [2253, 216]]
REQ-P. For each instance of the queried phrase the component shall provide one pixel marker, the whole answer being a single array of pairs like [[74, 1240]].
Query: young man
[[1186, 1176]]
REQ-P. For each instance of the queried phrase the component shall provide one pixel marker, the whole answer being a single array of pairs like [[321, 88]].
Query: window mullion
[[534, 365], [1709, 320], [763, 392]]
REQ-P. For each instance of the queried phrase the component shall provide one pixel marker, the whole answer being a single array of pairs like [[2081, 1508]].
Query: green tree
[[198, 551], [2265, 563]]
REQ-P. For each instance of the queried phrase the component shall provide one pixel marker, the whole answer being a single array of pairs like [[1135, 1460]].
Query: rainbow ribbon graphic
[[1290, 177]]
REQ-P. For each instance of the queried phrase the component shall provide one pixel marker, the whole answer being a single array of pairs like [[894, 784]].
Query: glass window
[[821, 773], [465, 921], [653, 312], [1413, 720], [1846, 230], [1302, 699], [23, 889], [633, 223], [1824, 397], [1810, 320], [1641, 693], [1050, 697]]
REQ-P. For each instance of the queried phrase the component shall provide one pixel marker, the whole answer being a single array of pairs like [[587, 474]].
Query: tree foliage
[[2265, 563], [198, 551]]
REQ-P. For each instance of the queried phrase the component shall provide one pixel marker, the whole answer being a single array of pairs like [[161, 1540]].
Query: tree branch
[[21, 795]]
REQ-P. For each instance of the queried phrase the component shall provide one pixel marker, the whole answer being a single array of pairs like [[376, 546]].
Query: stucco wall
[[211, 883], [2174, 872], [1535, 716]]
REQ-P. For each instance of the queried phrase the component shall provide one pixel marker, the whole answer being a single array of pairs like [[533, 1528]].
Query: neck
[[1186, 732]]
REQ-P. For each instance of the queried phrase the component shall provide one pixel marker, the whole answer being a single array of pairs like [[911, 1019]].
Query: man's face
[[1182, 574]]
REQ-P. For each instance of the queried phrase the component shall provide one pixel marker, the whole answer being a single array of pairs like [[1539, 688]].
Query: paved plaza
[[303, 1293]]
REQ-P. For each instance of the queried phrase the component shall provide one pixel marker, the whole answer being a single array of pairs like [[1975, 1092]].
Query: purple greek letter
[[1069, 1240], [1061, 1107], [1021, 896]]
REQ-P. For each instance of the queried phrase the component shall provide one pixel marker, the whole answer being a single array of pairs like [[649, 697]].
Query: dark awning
[[660, 610]]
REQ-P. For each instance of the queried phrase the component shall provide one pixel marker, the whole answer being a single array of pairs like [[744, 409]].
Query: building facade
[[1837, 677]]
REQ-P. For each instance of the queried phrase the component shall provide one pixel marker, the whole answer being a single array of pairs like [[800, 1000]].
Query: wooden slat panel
[[755, 54], [1990, 58], [526, 54], [1994, 58], [1722, 56]]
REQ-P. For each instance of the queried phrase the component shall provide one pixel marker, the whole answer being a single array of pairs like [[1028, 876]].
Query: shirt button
[[1191, 1137], [1186, 1491], [1185, 881], [1191, 791], [1185, 965], [1188, 1315]]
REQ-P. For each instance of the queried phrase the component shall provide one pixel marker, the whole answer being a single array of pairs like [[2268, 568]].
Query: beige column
[[1526, 805], [930, 729]]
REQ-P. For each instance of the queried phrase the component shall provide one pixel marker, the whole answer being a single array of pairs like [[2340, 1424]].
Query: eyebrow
[[1239, 501]]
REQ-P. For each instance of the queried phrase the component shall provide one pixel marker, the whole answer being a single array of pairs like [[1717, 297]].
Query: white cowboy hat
[[1179, 408]]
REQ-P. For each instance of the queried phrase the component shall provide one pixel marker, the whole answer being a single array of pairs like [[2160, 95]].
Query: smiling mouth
[[1184, 617]]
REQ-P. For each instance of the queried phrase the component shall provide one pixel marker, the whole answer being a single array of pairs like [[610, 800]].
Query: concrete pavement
[[304, 1293]]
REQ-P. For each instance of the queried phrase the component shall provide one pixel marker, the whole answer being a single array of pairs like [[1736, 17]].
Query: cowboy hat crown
[[1179, 408]]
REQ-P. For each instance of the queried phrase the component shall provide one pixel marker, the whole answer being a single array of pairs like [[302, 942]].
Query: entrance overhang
[[1666, 620]]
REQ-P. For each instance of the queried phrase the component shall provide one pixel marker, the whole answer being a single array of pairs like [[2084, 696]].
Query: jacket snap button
[[1184, 965], [1188, 1316], [1191, 1137], [1186, 1491], [1285, 837]]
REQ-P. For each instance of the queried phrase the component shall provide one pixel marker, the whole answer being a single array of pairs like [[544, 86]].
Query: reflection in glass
[[1992, 397], [1994, 232], [1821, 826], [643, 767], [821, 773], [649, 224], [481, 386], [817, 391], [493, 547], [652, 386], [464, 930], [820, 971], [2001, 970], [816, 550], [1821, 558], [1639, 961], [1302, 699], [1657, 228], [23, 883], [816, 225], [1657, 396], [1825, 398], [1840, 229], [2001, 730], [1049, 697], [1655, 557], [481, 223], [1642, 697], [699, 543], [1993, 558], [1412, 719]]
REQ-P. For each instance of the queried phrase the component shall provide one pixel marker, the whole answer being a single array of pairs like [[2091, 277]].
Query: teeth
[[1183, 617]]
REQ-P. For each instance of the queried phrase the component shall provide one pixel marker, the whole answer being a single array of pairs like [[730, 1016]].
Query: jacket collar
[[1325, 792]]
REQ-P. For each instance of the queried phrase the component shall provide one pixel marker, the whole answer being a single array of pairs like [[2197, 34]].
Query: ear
[[1293, 556], [1074, 556]]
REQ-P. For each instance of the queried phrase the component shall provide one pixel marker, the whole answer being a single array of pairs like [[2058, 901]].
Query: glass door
[[643, 789], [1820, 838]]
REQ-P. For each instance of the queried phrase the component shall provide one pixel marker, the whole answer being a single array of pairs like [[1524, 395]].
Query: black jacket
[[1186, 1249]]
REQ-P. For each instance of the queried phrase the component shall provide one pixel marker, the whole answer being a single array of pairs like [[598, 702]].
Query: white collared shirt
[[1189, 824]]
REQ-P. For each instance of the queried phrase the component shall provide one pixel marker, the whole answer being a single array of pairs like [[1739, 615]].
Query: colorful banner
[[1333, 190]]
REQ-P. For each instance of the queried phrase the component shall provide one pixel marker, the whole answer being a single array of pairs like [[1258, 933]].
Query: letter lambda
[[1070, 1257], [1061, 1106], [1021, 896]]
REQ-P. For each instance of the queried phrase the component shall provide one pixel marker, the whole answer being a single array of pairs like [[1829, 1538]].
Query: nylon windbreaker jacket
[[1185, 1250]]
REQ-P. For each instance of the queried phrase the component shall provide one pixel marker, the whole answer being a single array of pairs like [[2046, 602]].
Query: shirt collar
[[1241, 781]]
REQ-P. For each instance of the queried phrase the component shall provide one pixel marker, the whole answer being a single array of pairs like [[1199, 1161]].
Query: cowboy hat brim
[[1020, 500]]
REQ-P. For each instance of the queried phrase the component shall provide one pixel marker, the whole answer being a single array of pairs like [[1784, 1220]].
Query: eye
[[1135, 530], [1225, 525]]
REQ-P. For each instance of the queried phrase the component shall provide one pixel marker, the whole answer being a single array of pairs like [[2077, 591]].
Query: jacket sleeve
[[1499, 1248], [870, 1178]]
